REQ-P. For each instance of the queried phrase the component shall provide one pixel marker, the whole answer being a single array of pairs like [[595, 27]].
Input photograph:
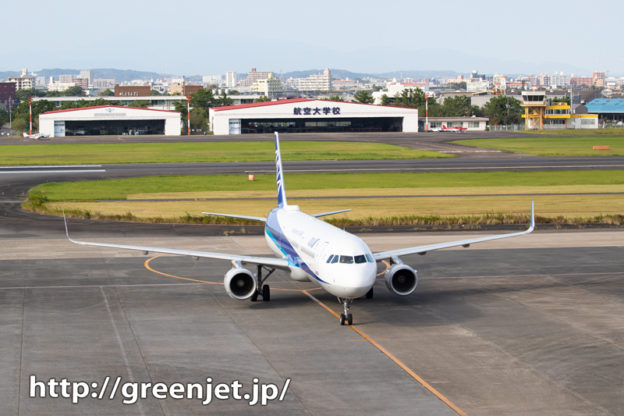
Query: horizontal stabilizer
[[242, 217], [323, 214]]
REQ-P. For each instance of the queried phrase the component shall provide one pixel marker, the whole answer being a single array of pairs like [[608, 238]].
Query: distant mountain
[[343, 74], [120, 75]]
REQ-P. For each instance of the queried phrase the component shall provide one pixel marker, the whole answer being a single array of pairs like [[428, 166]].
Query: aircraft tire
[[266, 293]]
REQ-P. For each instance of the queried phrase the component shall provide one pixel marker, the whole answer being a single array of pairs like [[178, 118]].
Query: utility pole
[[10, 105], [426, 112], [30, 114], [188, 115]]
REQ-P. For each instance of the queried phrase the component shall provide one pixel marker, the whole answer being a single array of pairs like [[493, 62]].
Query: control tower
[[534, 103]]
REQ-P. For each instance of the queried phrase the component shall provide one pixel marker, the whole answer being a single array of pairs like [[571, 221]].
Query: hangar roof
[[304, 100], [105, 106], [606, 105]]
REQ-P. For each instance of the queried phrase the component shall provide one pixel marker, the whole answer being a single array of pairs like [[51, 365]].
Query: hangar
[[109, 120], [309, 115]]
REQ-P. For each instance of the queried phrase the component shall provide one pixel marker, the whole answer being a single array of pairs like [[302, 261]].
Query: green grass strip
[[553, 146], [618, 131], [113, 153], [119, 188]]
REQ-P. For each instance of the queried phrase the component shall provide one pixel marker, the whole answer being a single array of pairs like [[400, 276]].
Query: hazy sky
[[210, 37]]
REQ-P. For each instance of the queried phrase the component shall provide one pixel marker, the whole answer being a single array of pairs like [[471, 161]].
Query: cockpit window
[[346, 259], [329, 259], [360, 259], [369, 258], [335, 259]]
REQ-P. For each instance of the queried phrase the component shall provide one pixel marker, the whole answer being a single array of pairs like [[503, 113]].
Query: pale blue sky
[[211, 37]]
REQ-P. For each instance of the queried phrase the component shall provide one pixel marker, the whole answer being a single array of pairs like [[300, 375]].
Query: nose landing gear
[[346, 317]]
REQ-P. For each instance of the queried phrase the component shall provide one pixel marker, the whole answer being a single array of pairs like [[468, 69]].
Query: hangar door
[[302, 125], [114, 127]]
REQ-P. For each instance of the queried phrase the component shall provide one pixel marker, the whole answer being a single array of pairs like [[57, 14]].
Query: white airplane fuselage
[[336, 260]]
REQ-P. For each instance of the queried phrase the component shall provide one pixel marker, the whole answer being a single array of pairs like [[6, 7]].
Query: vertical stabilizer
[[279, 175]]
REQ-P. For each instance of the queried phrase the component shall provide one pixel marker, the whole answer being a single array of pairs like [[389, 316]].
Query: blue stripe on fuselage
[[274, 231]]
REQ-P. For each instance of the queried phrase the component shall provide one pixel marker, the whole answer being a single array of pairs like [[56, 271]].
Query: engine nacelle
[[240, 283], [401, 279]]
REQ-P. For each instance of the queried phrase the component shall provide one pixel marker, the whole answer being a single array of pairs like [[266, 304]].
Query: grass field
[[121, 188], [376, 199], [580, 132], [59, 154], [553, 146]]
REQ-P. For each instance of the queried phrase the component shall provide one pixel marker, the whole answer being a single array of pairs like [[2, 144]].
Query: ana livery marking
[[313, 250]]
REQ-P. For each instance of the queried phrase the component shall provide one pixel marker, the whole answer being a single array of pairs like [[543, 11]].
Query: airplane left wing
[[268, 261], [430, 247]]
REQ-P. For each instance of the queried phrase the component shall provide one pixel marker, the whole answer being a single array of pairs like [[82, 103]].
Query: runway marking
[[53, 171], [48, 166], [393, 358], [148, 267], [209, 282], [362, 334]]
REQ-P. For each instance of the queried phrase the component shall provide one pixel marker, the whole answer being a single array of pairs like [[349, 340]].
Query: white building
[[109, 120], [308, 115], [24, 81], [315, 82], [268, 87], [395, 89], [230, 79]]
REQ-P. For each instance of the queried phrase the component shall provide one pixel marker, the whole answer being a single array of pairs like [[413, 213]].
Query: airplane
[[454, 129], [310, 249], [35, 136]]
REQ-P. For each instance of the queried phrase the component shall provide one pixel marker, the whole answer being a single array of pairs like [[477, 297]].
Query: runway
[[530, 326]]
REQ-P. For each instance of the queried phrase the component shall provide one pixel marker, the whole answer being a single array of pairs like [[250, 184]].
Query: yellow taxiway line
[[354, 328]]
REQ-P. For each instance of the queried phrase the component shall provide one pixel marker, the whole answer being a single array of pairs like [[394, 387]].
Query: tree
[[335, 98], [180, 106], [458, 106], [415, 98], [203, 99], [141, 104], [363, 96], [503, 110], [385, 100], [106, 93], [223, 100], [23, 95], [75, 91], [262, 99], [155, 93], [4, 117]]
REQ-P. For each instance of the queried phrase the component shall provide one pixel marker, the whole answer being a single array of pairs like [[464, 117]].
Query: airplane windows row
[[362, 258]]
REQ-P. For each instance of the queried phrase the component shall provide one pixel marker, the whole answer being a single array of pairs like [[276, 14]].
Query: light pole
[[188, 115], [426, 112], [30, 115]]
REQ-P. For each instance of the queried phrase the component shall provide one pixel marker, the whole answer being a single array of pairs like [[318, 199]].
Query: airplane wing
[[268, 261], [243, 217], [465, 243], [323, 214]]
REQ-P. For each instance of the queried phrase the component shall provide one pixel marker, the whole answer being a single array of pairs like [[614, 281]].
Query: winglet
[[532, 225], [279, 175]]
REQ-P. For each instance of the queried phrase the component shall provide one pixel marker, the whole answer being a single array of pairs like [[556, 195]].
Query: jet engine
[[240, 283], [401, 279]]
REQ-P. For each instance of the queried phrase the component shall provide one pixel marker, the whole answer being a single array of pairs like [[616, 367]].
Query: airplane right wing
[[268, 261], [430, 247]]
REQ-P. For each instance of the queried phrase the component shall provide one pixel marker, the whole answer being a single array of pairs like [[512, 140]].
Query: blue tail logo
[[281, 190]]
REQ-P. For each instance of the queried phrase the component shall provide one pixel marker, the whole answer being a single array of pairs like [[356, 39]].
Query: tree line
[[500, 109]]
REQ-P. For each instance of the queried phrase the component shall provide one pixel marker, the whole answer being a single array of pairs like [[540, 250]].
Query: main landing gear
[[262, 289], [346, 317]]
